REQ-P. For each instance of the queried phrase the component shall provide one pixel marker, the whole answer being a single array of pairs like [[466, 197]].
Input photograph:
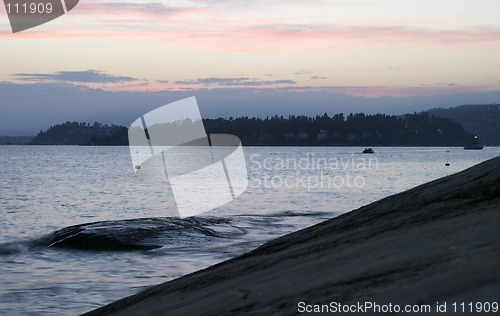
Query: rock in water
[[138, 234]]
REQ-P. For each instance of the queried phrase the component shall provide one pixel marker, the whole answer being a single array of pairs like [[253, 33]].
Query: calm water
[[43, 189]]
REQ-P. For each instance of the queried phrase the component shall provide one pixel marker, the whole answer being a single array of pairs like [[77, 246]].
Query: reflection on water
[[43, 189]]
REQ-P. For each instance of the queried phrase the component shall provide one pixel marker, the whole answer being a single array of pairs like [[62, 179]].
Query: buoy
[[447, 163], [137, 166]]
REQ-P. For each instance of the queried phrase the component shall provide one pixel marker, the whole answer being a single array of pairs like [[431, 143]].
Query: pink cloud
[[206, 84], [238, 26], [268, 38], [285, 37], [358, 91], [96, 9]]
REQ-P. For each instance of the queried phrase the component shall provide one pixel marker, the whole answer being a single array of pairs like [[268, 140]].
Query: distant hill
[[418, 129], [75, 133], [481, 119]]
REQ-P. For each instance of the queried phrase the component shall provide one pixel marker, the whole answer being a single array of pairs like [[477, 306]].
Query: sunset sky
[[370, 49]]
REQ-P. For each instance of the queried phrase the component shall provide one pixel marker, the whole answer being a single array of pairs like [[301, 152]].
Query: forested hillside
[[418, 129], [481, 119], [74, 133]]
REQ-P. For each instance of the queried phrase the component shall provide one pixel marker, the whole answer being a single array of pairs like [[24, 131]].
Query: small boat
[[368, 151], [475, 145]]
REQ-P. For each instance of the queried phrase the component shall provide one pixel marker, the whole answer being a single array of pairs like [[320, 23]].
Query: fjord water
[[46, 188]]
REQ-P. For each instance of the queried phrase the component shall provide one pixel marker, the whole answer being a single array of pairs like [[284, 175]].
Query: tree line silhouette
[[75, 133], [417, 129]]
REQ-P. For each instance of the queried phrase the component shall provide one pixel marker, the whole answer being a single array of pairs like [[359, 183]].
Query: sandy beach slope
[[438, 242]]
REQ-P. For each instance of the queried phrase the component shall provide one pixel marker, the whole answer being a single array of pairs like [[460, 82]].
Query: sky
[[112, 60]]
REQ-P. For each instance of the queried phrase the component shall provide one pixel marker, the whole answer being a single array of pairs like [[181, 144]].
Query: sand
[[438, 242]]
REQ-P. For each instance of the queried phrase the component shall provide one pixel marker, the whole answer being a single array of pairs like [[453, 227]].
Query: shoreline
[[437, 242]]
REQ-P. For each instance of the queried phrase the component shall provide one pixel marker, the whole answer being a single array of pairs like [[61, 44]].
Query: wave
[[14, 248], [164, 233], [133, 234], [302, 214]]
